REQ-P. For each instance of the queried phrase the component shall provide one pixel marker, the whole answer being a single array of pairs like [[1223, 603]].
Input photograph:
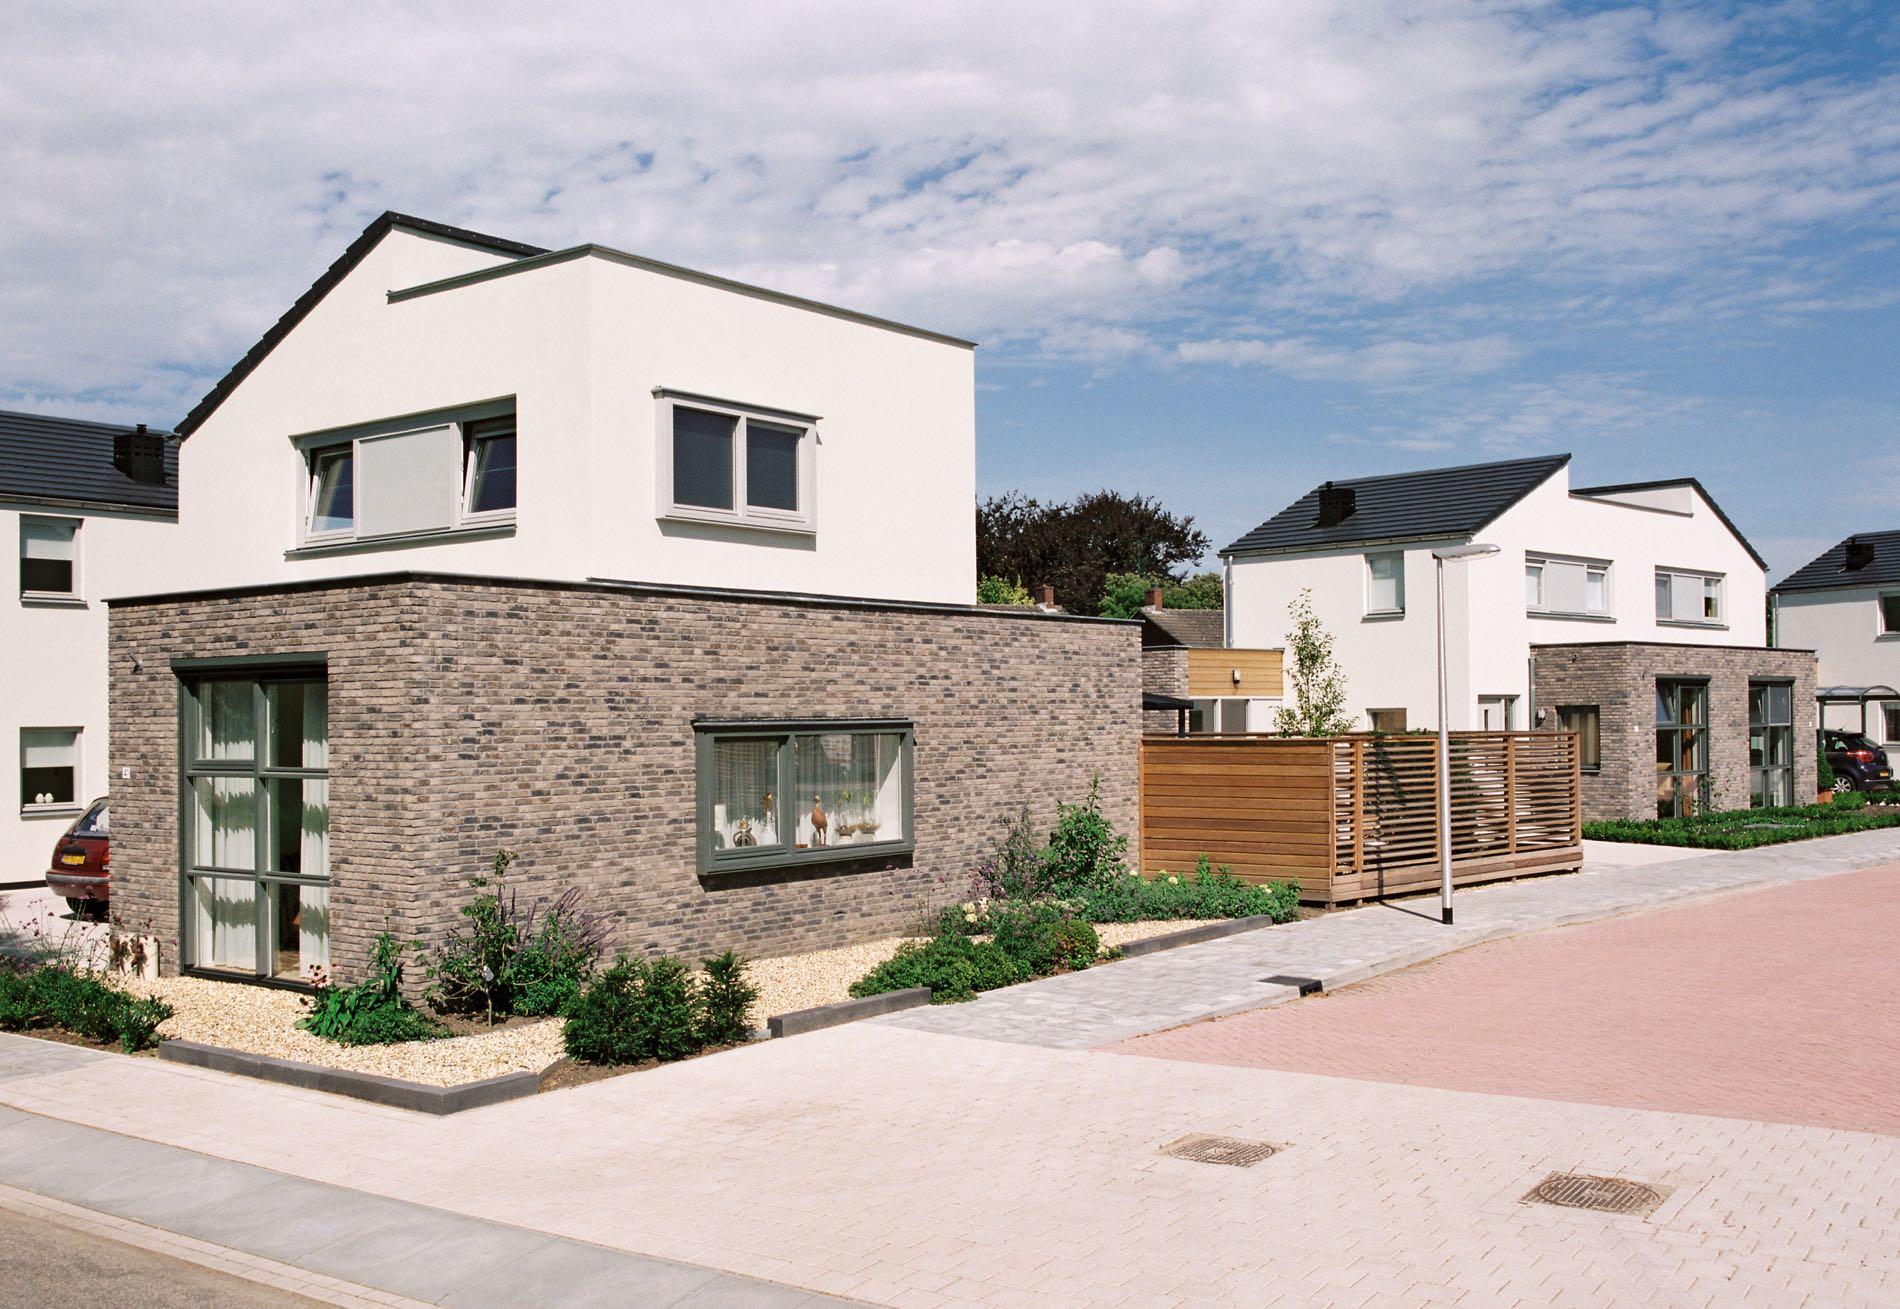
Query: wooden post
[[1358, 807], [1510, 793]]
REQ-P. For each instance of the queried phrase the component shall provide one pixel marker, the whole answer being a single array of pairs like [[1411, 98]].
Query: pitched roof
[[1830, 570], [1699, 489], [69, 460], [335, 273], [1201, 629], [1437, 502]]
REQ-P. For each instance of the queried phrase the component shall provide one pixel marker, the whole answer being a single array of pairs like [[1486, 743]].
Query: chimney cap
[[1336, 504]]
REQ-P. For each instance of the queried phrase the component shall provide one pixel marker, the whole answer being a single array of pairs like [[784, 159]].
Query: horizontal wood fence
[[1356, 817]]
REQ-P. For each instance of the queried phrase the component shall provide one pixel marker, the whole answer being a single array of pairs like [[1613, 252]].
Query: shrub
[[374, 1011], [725, 1000], [1744, 829], [1084, 849], [637, 1010], [55, 995], [1028, 936], [1850, 800], [1823, 772], [953, 967], [1077, 945], [1015, 869], [1204, 893], [555, 961], [499, 961]]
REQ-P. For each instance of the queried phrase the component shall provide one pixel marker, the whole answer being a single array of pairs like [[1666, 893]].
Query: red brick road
[[1779, 1005]]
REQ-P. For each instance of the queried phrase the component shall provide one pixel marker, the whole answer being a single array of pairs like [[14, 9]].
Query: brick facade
[[1620, 677], [1164, 671], [556, 720]]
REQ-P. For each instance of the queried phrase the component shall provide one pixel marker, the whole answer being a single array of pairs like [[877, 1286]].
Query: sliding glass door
[[255, 811]]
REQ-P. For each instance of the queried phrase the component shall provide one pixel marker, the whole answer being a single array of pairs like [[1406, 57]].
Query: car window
[[94, 823]]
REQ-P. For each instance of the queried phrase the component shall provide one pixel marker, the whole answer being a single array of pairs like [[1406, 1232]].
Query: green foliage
[[1073, 547], [501, 961], [1015, 869], [725, 1000], [374, 1011], [1204, 893], [1744, 829], [1084, 849], [1002, 591], [1313, 676], [953, 967], [57, 995], [1823, 772], [1125, 594]]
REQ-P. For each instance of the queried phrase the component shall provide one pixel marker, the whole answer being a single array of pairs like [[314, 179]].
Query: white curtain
[[225, 934], [225, 814], [313, 927]]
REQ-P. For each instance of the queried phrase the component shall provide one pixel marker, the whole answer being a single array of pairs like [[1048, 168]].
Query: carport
[[1851, 695]]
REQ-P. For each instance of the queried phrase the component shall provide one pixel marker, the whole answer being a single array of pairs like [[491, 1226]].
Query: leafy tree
[[1002, 591], [1317, 682], [1124, 594], [1074, 546]]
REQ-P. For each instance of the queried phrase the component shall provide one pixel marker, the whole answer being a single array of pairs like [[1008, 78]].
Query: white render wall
[[581, 344], [1843, 629], [53, 659], [1391, 663]]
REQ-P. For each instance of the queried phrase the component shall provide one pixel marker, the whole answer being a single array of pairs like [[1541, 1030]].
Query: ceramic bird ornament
[[818, 821]]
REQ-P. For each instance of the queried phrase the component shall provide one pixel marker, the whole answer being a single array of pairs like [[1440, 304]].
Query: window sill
[[1697, 624], [790, 860], [52, 600], [321, 549], [51, 810], [1569, 618], [1382, 615], [713, 518]]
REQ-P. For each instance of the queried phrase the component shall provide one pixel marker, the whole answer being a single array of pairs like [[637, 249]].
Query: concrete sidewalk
[[1157, 992]]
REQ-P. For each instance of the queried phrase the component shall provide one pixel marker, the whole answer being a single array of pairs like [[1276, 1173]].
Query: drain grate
[[1307, 985], [1235, 1153], [1604, 1195]]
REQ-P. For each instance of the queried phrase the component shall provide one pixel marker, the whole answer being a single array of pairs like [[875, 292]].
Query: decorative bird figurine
[[818, 821]]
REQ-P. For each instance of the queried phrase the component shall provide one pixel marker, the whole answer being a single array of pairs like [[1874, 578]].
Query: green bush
[[1205, 893], [56, 995], [953, 967], [637, 1010], [1077, 945], [501, 961], [1850, 800], [1823, 771], [1744, 829], [374, 1011], [1084, 850], [725, 1000]]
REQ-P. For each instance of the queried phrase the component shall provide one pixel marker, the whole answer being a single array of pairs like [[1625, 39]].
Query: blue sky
[[1215, 252]]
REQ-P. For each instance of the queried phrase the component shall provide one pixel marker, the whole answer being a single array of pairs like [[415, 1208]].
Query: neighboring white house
[[441, 399], [86, 520], [1845, 606]]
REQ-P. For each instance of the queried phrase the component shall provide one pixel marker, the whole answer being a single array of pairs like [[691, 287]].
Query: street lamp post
[[1439, 557]]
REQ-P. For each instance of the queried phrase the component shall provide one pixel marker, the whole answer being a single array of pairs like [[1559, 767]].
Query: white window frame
[[1695, 574], [1376, 612], [467, 516], [1890, 722], [312, 455], [1541, 561], [1881, 630], [1534, 603], [79, 801], [77, 594], [802, 521]]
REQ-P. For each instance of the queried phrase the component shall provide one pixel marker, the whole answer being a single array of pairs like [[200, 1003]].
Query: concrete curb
[[390, 1091], [1196, 935], [848, 1011]]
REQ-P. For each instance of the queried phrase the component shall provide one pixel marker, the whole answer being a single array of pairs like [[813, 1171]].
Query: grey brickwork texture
[[556, 721], [1620, 679], [1164, 671]]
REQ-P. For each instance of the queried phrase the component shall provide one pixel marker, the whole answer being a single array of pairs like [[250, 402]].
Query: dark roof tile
[[1201, 629], [1830, 571], [70, 459]]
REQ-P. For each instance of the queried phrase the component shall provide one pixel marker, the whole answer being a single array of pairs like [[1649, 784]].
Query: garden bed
[[1745, 829]]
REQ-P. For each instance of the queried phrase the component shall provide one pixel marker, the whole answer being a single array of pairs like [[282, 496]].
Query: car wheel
[[1842, 784], [78, 906]]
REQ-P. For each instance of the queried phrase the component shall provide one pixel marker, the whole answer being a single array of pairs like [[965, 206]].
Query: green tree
[[1001, 591], [1124, 594], [1074, 546], [1317, 683]]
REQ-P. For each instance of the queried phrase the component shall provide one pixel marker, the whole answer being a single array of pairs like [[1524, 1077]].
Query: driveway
[[33, 919]]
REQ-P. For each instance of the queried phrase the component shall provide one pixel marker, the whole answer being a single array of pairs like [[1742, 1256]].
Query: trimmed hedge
[[1203, 893], [53, 995], [1744, 829]]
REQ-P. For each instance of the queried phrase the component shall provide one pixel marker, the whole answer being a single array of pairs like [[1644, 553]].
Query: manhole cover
[[1203, 1149], [1606, 1195]]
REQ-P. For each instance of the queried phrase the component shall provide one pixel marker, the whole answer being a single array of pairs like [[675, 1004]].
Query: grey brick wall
[[556, 721], [1164, 670], [1620, 678]]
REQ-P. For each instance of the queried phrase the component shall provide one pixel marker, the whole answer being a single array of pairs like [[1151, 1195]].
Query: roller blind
[[1564, 587], [42, 747], [46, 540], [408, 482]]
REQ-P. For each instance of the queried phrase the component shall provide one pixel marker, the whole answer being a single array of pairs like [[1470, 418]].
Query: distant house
[[1185, 658], [92, 509], [1631, 614], [1845, 606]]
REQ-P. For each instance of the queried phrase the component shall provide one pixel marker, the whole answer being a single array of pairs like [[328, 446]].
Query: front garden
[[1744, 829]]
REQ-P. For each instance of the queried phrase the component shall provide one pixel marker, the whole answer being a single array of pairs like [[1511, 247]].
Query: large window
[[49, 558], [49, 769], [1694, 598], [256, 808], [1570, 588], [1385, 583], [446, 472], [792, 793], [734, 464], [1770, 744], [1682, 748], [1587, 722]]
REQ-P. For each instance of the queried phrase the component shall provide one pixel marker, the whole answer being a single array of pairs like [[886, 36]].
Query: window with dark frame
[[1682, 748], [332, 490], [1770, 744], [1890, 614], [777, 793], [489, 465], [49, 556], [1586, 720]]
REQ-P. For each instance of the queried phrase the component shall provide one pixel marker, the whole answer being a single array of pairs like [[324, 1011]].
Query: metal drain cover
[[1204, 1149], [1604, 1195]]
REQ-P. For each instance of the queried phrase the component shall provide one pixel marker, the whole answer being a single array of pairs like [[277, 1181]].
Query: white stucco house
[[91, 509], [1617, 611], [1845, 606]]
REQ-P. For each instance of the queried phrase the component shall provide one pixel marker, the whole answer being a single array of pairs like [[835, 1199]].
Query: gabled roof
[[1699, 489], [69, 461], [1830, 571], [1200, 629], [1437, 502], [335, 273]]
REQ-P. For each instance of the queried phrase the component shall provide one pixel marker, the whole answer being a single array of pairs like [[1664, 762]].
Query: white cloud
[[1379, 363]]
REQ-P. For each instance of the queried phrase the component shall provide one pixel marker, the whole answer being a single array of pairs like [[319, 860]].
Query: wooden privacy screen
[[1355, 817], [1211, 673]]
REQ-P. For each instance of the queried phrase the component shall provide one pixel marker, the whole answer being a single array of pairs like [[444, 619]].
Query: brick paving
[[1777, 1005]]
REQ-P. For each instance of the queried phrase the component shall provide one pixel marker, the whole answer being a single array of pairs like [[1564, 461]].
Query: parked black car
[[1858, 764]]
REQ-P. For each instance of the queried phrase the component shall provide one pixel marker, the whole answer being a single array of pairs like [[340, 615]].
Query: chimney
[[1154, 597], [1336, 505], [1859, 554], [1046, 596], [140, 456]]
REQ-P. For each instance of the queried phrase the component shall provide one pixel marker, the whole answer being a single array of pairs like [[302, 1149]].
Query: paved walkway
[[1779, 1005], [1136, 996]]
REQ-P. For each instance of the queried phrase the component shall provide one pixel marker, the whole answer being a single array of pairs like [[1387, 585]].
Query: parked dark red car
[[82, 863]]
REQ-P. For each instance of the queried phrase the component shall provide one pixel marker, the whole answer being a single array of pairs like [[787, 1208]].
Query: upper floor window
[[1385, 583], [1569, 587], [1683, 597], [440, 473], [727, 463], [49, 558], [1890, 614]]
